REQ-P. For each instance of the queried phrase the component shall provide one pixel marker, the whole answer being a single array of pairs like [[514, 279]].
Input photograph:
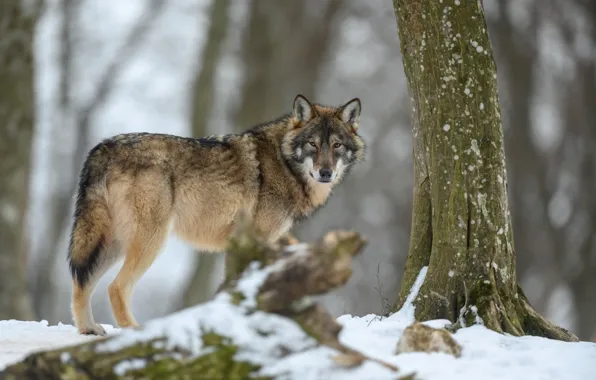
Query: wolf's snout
[[325, 174]]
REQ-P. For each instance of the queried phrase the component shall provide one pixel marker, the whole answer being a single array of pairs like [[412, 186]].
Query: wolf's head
[[324, 143]]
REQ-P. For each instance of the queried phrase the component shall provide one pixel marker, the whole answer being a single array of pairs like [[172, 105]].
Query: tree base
[[498, 308]]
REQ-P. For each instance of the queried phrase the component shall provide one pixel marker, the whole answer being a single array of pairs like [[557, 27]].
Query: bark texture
[[461, 226], [17, 104], [294, 273]]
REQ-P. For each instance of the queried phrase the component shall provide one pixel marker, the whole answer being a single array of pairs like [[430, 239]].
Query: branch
[[106, 84], [310, 271], [263, 315]]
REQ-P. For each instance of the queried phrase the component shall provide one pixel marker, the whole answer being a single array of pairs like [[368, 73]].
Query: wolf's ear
[[350, 112], [303, 110]]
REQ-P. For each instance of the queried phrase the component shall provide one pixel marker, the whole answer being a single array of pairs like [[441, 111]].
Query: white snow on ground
[[263, 338], [19, 338], [486, 354]]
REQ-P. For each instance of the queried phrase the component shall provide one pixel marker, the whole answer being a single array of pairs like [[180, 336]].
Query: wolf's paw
[[95, 329]]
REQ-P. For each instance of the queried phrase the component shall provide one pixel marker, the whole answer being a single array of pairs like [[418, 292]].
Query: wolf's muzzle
[[325, 175]]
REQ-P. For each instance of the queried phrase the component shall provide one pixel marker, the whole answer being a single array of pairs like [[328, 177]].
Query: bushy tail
[[91, 220]]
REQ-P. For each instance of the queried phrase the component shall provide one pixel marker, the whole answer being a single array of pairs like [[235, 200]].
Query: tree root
[[534, 324], [499, 306]]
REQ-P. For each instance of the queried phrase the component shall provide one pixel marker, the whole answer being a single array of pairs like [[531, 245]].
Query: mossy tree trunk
[[461, 227], [17, 107]]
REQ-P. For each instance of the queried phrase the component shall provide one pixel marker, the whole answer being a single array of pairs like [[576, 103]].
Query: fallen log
[[261, 324]]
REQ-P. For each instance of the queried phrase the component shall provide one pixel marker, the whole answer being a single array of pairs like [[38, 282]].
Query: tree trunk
[[77, 120], [59, 207], [199, 289], [519, 64], [267, 299], [283, 49], [582, 280], [17, 108], [461, 226]]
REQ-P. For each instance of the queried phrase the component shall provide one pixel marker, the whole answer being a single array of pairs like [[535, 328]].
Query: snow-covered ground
[[260, 337], [486, 354]]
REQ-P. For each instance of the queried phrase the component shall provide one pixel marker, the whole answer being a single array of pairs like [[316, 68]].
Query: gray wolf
[[135, 188]]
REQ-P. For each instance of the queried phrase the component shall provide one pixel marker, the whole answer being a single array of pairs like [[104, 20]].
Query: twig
[[385, 305]]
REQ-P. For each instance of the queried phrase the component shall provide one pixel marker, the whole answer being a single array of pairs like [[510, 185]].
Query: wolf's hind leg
[[89, 257], [81, 298], [140, 254], [145, 210]]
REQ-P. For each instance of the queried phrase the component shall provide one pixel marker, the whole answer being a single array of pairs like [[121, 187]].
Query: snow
[[249, 285], [262, 338], [283, 349], [486, 354], [406, 313], [129, 365], [19, 338]]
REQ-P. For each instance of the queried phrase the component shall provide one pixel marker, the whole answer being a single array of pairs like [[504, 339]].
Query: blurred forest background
[[75, 71]]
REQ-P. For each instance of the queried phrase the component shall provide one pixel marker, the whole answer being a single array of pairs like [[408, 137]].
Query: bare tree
[[517, 56], [283, 49], [581, 273], [59, 205], [17, 110], [78, 120], [558, 254], [199, 288], [461, 227], [578, 151]]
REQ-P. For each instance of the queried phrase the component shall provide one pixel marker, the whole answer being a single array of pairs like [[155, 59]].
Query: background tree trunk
[[283, 49], [200, 287], [554, 254], [581, 276], [74, 121], [17, 109], [461, 227], [60, 202]]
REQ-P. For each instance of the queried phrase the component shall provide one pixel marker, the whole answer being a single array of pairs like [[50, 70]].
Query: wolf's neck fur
[[318, 193]]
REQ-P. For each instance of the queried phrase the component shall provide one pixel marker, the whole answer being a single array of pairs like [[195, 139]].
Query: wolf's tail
[[91, 219]]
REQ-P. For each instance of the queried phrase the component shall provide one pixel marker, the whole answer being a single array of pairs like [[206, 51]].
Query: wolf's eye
[[312, 143], [337, 145]]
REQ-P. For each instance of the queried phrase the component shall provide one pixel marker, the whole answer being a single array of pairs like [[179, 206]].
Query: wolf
[[136, 188]]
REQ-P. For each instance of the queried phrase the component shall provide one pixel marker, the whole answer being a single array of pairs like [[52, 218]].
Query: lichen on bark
[[461, 225]]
